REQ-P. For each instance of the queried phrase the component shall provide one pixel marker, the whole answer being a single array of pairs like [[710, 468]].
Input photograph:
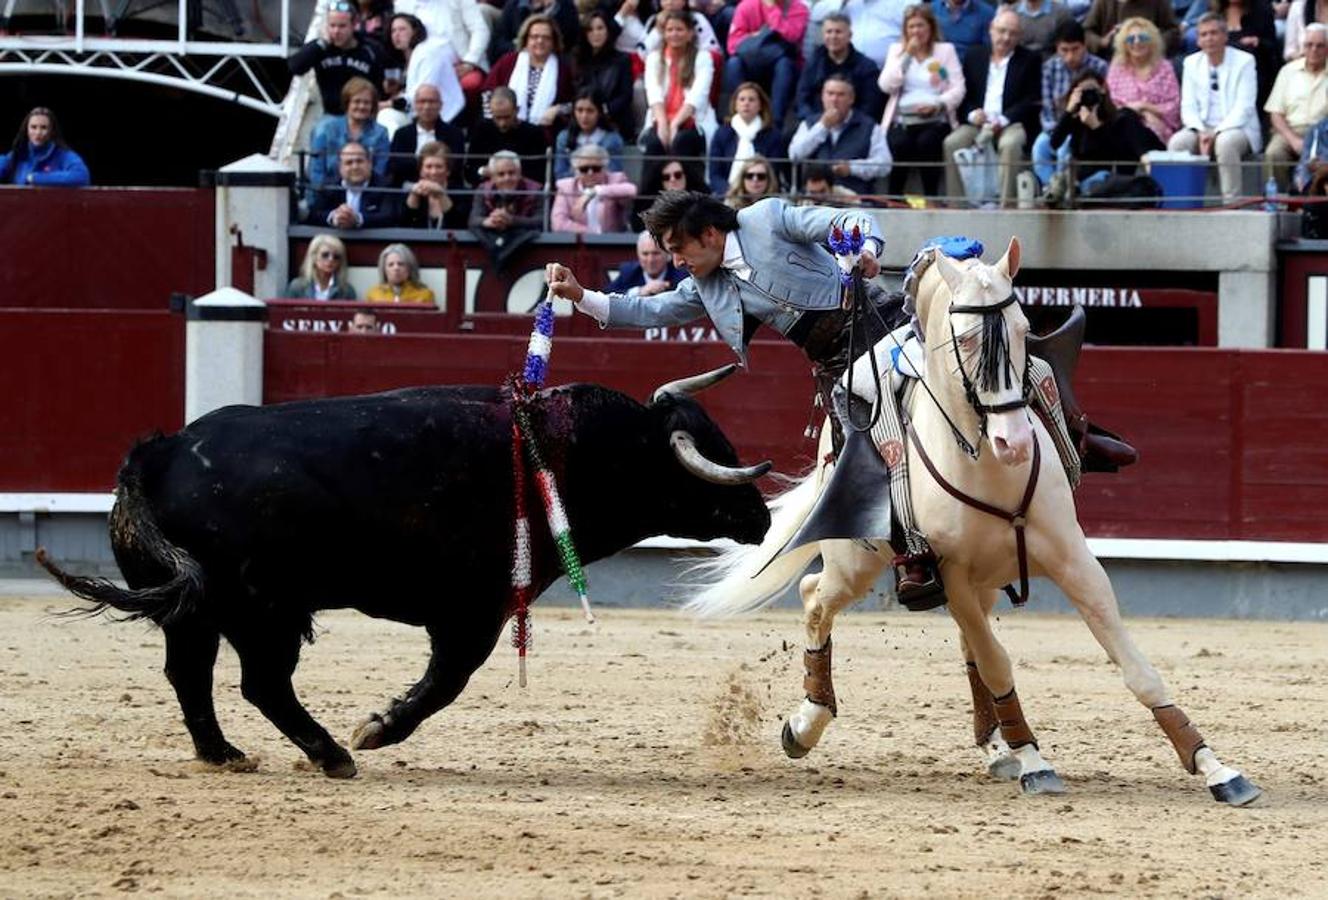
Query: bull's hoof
[[792, 749], [223, 755], [340, 768], [369, 735], [1004, 768], [1239, 791], [1044, 782]]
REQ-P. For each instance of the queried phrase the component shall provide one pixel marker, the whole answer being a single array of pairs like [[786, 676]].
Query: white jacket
[[1237, 85], [698, 95], [459, 21]]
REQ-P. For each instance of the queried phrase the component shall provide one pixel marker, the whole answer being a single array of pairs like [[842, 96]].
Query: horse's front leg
[[1085, 582], [996, 753], [849, 569], [969, 608]]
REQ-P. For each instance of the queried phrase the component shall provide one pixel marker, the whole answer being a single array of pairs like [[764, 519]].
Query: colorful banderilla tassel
[[521, 564]]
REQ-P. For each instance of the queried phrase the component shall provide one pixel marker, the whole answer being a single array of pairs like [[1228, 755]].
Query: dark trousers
[[917, 144]]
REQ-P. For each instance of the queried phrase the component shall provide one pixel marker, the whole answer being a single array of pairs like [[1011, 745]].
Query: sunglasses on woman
[[589, 170], [328, 254], [755, 176], [1141, 38], [674, 176]]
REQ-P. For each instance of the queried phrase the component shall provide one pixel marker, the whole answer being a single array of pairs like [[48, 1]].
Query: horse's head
[[975, 332]]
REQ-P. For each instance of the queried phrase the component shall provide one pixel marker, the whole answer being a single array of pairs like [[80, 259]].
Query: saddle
[[1100, 450]]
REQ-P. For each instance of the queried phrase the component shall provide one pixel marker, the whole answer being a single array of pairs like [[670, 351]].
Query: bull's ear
[[1009, 263], [950, 273]]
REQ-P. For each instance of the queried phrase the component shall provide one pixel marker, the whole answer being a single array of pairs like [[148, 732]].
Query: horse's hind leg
[[269, 651], [969, 609], [458, 649], [191, 652], [849, 568], [1085, 582], [1001, 761]]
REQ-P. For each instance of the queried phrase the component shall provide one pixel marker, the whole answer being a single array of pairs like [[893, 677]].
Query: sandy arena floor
[[644, 761]]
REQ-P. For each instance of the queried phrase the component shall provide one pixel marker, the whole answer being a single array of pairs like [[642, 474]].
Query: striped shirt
[[1056, 78]]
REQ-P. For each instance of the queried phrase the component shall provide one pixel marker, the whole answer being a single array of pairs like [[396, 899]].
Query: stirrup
[[918, 584]]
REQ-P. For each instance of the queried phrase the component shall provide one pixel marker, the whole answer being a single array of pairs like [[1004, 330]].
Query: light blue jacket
[[330, 135], [792, 271]]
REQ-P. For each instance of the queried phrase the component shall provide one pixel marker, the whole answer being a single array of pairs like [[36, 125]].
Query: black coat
[[379, 208], [859, 69], [1022, 102], [403, 166], [1124, 139], [611, 75], [525, 140]]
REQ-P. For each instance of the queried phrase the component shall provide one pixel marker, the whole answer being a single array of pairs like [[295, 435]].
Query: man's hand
[[1297, 143], [562, 283], [344, 217], [652, 287], [870, 265], [832, 118], [841, 169], [1206, 139], [977, 118]]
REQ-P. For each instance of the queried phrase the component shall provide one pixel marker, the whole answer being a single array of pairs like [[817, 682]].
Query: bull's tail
[[738, 580], [135, 534]]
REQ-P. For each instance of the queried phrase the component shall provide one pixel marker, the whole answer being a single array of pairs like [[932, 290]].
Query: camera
[[1090, 98]]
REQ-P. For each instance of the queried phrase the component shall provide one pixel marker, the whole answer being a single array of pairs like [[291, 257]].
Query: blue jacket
[[857, 68], [968, 28], [769, 143], [792, 271], [333, 133], [48, 164], [632, 275]]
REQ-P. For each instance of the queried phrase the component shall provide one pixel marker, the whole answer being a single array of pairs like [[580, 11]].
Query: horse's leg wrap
[[1183, 736], [984, 707], [816, 680], [1014, 727]]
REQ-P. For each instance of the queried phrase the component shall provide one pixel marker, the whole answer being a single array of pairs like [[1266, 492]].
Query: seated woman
[[399, 278], [603, 68], [750, 132], [360, 99], [590, 125], [1141, 78], [323, 272], [678, 78], [421, 60], [428, 205], [674, 175], [537, 72], [40, 156], [594, 201], [507, 212], [1103, 140], [756, 181], [925, 82], [653, 37]]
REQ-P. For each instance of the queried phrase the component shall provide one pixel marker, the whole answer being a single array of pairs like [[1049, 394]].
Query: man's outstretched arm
[[676, 307]]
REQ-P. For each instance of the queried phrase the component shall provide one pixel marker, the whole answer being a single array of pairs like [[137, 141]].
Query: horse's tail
[[738, 579], [138, 540]]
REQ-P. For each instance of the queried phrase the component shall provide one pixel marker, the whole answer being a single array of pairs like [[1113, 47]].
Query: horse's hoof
[[1239, 791], [341, 768], [1044, 782], [369, 735], [792, 749], [1004, 768]]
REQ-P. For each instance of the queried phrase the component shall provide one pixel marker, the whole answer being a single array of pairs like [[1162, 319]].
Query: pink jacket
[[1161, 89], [615, 205], [950, 85], [752, 14]]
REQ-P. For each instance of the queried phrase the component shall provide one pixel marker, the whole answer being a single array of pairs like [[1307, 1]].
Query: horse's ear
[[950, 273], [1010, 262]]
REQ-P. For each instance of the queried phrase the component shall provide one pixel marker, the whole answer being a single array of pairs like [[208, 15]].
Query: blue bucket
[[1183, 177]]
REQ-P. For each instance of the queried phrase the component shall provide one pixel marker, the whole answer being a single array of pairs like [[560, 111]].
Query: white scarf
[[544, 94], [746, 132]]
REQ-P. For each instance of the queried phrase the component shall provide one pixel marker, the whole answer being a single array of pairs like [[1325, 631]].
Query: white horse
[[974, 400]]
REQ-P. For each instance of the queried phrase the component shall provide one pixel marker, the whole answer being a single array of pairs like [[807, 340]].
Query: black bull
[[251, 519]]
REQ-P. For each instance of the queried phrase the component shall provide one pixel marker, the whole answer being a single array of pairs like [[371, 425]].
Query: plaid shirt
[[1056, 78]]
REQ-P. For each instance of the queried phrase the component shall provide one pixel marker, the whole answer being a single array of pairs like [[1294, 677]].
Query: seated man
[[1298, 101], [428, 127], [838, 56], [845, 138], [1002, 98], [361, 200], [819, 188], [594, 200], [1217, 94], [652, 273], [338, 56], [1058, 73], [504, 131], [506, 213]]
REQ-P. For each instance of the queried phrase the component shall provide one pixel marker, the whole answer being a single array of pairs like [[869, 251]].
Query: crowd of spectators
[[514, 116]]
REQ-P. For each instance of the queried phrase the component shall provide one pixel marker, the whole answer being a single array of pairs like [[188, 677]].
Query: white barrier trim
[[1105, 548]]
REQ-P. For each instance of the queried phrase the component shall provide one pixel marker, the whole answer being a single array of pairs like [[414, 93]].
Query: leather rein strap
[[1017, 519]]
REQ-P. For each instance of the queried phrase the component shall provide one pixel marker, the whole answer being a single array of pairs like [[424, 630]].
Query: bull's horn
[[694, 383], [708, 470]]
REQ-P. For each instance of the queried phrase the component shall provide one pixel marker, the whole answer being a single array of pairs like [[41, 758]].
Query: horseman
[[768, 264]]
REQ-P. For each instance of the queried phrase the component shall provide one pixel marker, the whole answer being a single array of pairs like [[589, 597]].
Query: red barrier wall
[[80, 388], [104, 248]]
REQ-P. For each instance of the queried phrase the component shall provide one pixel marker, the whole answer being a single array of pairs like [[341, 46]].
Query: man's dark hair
[[818, 172], [1068, 32], [687, 214]]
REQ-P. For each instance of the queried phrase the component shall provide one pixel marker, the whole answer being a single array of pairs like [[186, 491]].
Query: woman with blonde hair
[[1142, 79], [323, 272], [925, 81], [757, 180], [399, 278]]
